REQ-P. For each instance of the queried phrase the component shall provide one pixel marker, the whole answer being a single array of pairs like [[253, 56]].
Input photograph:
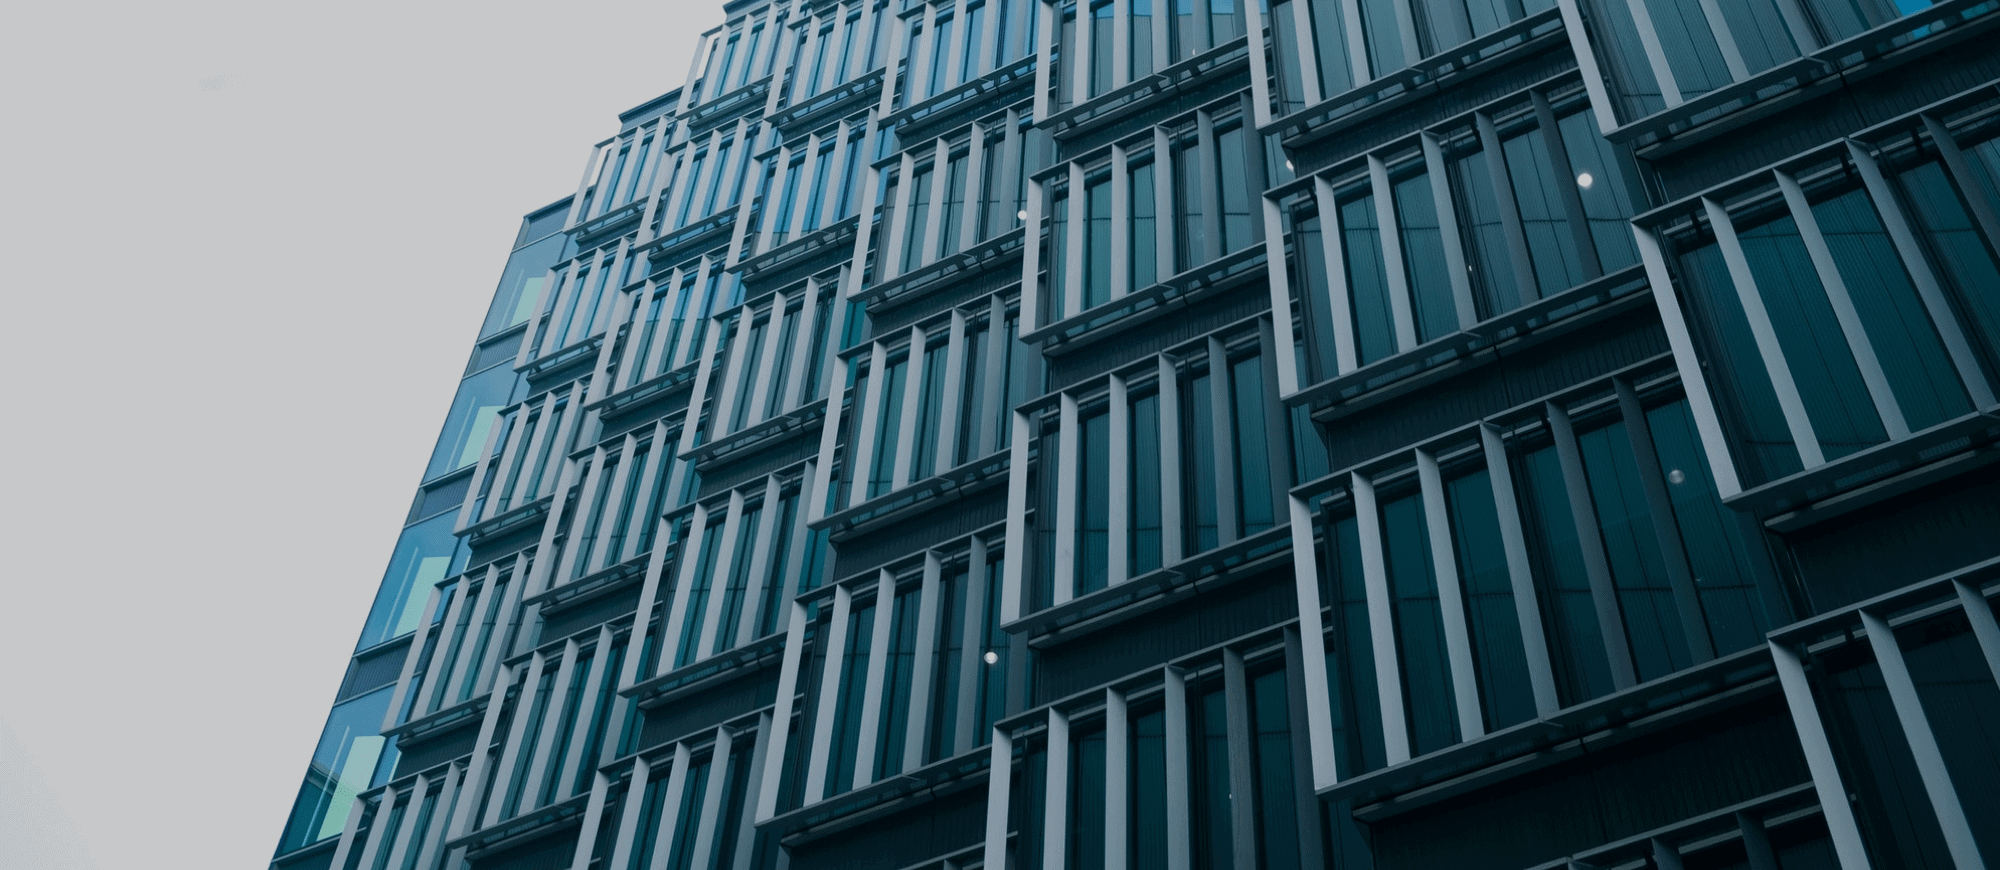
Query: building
[[1361, 433]]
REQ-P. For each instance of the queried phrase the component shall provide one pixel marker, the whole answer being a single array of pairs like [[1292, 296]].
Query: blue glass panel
[[1491, 613], [425, 554], [1148, 844], [1606, 203], [1144, 485], [470, 420], [351, 758], [1638, 567], [1690, 46], [521, 284], [1419, 625], [1575, 642]]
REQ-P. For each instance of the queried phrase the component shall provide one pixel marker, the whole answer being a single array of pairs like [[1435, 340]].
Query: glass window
[[350, 759], [522, 283], [470, 421], [1145, 224], [1638, 567], [1255, 503], [1576, 644], [425, 554], [1435, 303], [1144, 468], [1719, 553], [1419, 625], [1350, 665], [1096, 251], [1551, 250], [1093, 550], [1209, 766], [1491, 613], [1198, 458], [1367, 279], [1086, 797], [1271, 751]]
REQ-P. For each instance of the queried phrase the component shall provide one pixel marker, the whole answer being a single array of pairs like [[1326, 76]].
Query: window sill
[[877, 800], [943, 271], [1141, 306], [639, 394], [700, 230], [588, 234], [1526, 37], [523, 828], [724, 667], [917, 121], [1537, 744], [1870, 476], [1106, 109], [794, 121], [564, 359], [1764, 94], [1482, 344], [799, 421], [592, 586], [928, 494], [703, 116], [1103, 608], [443, 721], [836, 238], [506, 522]]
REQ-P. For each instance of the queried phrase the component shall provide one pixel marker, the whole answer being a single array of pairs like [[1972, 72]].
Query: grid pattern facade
[[1106, 434]]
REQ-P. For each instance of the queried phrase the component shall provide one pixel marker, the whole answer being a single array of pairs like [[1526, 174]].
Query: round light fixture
[[1584, 180], [992, 658]]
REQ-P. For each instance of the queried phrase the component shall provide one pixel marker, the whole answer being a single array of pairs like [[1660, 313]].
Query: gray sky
[[247, 247]]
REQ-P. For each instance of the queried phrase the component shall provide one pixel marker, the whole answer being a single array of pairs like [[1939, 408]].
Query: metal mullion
[[1072, 264], [590, 169], [593, 820], [1180, 821], [1513, 540], [1055, 792], [1790, 403], [448, 633], [993, 373], [1345, 351], [480, 472], [781, 714], [1694, 380], [794, 383], [670, 803], [1357, 42], [649, 592], [711, 800], [1381, 621], [989, 40], [378, 829], [1228, 514], [628, 824], [1897, 224], [1586, 63], [808, 171], [746, 829], [1032, 283], [952, 395], [1163, 198], [1984, 627], [1119, 470], [1047, 25], [746, 194], [505, 614], [1121, 43], [1121, 218], [917, 725], [1873, 376], [658, 357], [1725, 41], [1000, 763], [414, 652], [1279, 281], [1660, 505], [783, 162], [689, 554], [1406, 27], [1510, 210], [1562, 167], [918, 78], [538, 762], [657, 193], [760, 565], [1171, 545], [579, 521], [647, 480], [718, 580], [972, 207], [896, 220], [595, 686], [955, 62], [1656, 55], [1067, 491], [1243, 811], [861, 451], [482, 758], [567, 292], [1211, 180], [631, 352], [538, 577], [683, 343], [934, 240], [1930, 761], [1388, 228], [828, 695], [1451, 599], [971, 654], [869, 736], [434, 838], [1017, 518], [517, 730], [906, 424], [1080, 85], [817, 482], [1454, 250], [1590, 541], [739, 363], [1117, 778], [507, 478], [1318, 703], [1307, 53]]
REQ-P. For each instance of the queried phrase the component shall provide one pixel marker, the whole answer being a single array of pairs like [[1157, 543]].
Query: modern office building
[[1140, 434]]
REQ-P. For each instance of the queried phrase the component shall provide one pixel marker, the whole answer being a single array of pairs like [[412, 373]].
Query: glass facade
[[1051, 434]]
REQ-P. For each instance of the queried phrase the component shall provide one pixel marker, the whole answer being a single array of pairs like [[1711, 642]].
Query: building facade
[[1102, 434]]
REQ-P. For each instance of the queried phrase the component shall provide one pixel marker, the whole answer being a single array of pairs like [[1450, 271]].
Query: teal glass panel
[[1192, 231], [573, 700], [1198, 457], [694, 791], [351, 758], [1102, 33], [745, 546], [1491, 614], [1329, 36], [1607, 205], [953, 587], [1086, 800], [950, 222], [1433, 301], [1419, 625], [1576, 643], [1961, 255], [1356, 705], [702, 585], [1096, 251], [1148, 788], [426, 553], [1367, 279], [1384, 36], [1551, 249], [1719, 554], [843, 742], [1488, 263], [992, 698], [923, 458], [1271, 755], [1689, 45], [1141, 12], [1921, 376], [1760, 33], [1057, 265], [645, 837], [1765, 445], [1144, 484], [917, 225], [469, 423], [1234, 160], [1255, 503], [1638, 566], [1222, 23], [1145, 264], [1843, 417], [897, 676], [521, 284], [940, 78], [882, 474], [1208, 760], [1093, 545], [535, 707]]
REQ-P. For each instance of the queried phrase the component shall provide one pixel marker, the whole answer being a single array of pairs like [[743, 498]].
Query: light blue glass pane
[[351, 758], [470, 420], [425, 554], [521, 284]]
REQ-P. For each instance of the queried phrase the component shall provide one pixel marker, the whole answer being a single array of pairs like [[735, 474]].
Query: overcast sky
[[246, 250]]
